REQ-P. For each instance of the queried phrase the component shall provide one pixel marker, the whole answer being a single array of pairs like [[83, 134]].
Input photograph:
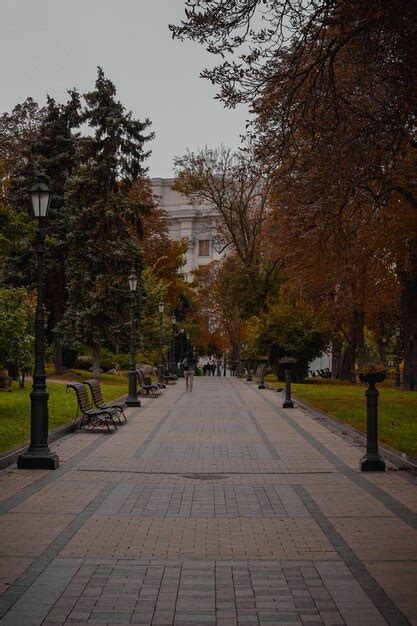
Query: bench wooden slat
[[90, 418]]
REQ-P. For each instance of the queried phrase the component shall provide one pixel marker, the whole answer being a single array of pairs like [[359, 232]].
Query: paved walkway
[[216, 507]]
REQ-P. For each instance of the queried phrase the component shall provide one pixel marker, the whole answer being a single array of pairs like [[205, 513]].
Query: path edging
[[396, 457], [11, 456]]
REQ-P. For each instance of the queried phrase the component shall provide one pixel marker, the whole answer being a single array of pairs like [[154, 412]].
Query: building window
[[204, 247]]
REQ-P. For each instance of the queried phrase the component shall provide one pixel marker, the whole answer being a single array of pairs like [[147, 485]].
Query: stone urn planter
[[5, 381], [372, 378], [262, 362]]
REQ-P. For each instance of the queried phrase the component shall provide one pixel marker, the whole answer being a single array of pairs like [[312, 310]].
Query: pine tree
[[104, 220], [54, 152], [47, 143]]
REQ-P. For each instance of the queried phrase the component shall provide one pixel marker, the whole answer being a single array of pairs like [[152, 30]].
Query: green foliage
[[39, 139], [15, 231], [104, 221], [108, 360], [15, 409], [346, 402], [17, 308], [154, 289], [287, 330]]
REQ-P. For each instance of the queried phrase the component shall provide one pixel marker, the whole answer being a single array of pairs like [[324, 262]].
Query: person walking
[[189, 364]]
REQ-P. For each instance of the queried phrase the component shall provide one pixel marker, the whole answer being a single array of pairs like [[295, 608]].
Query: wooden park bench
[[170, 379], [99, 402], [147, 387], [92, 418]]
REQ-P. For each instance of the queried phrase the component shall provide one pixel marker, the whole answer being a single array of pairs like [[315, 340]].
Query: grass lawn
[[15, 408], [346, 402]]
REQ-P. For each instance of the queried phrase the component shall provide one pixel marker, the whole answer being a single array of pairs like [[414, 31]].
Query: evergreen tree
[[54, 152], [104, 220], [41, 139]]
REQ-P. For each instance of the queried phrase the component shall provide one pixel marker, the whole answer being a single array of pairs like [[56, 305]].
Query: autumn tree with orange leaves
[[333, 90]]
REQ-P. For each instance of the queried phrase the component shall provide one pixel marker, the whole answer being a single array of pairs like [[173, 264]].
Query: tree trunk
[[56, 298], [96, 360], [13, 370], [382, 351], [347, 363], [355, 346], [409, 317], [58, 368], [21, 378], [336, 357]]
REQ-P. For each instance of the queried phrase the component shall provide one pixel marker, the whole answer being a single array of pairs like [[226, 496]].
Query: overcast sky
[[49, 46]]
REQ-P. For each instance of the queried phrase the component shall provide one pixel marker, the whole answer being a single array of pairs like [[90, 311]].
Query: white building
[[187, 221]]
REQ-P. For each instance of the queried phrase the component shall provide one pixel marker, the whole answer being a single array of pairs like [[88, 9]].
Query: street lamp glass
[[40, 196], [133, 281], [161, 307], [173, 320]]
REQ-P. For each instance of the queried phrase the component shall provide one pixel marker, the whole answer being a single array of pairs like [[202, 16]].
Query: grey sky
[[49, 46]]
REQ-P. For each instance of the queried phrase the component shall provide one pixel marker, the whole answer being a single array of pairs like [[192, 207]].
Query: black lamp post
[[161, 307], [174, 332], [372, 461], [132, 398], [38, 455], [288, 363]]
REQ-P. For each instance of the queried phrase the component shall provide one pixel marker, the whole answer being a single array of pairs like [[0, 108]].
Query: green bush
[[110, 360]]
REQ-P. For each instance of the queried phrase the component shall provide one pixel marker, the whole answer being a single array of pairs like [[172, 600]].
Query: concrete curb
[[11, 456], [396, 457]]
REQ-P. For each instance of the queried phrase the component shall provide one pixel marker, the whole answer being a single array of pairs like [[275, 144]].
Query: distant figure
[[218, 365], [189, 364], [213, 368]]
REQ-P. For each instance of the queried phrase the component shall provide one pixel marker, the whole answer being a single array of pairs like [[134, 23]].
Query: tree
[[288, 329], [332, 87], [161, 253], [17, 308], [237, 190], [54, 151], [104, 220], [41, 139]]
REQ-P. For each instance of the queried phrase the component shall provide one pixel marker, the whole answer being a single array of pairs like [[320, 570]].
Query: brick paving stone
[[27, 535], [215, 507]]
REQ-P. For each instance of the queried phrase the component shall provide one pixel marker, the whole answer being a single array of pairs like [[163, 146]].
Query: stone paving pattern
[[213, 508]]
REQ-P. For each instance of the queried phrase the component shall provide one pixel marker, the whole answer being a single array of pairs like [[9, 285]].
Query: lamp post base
[[288, 404], [372, 463], [38, 459], [132, 401], [261, 386]]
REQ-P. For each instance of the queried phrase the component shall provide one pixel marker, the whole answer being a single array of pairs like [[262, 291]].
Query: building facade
[[195, 223]]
